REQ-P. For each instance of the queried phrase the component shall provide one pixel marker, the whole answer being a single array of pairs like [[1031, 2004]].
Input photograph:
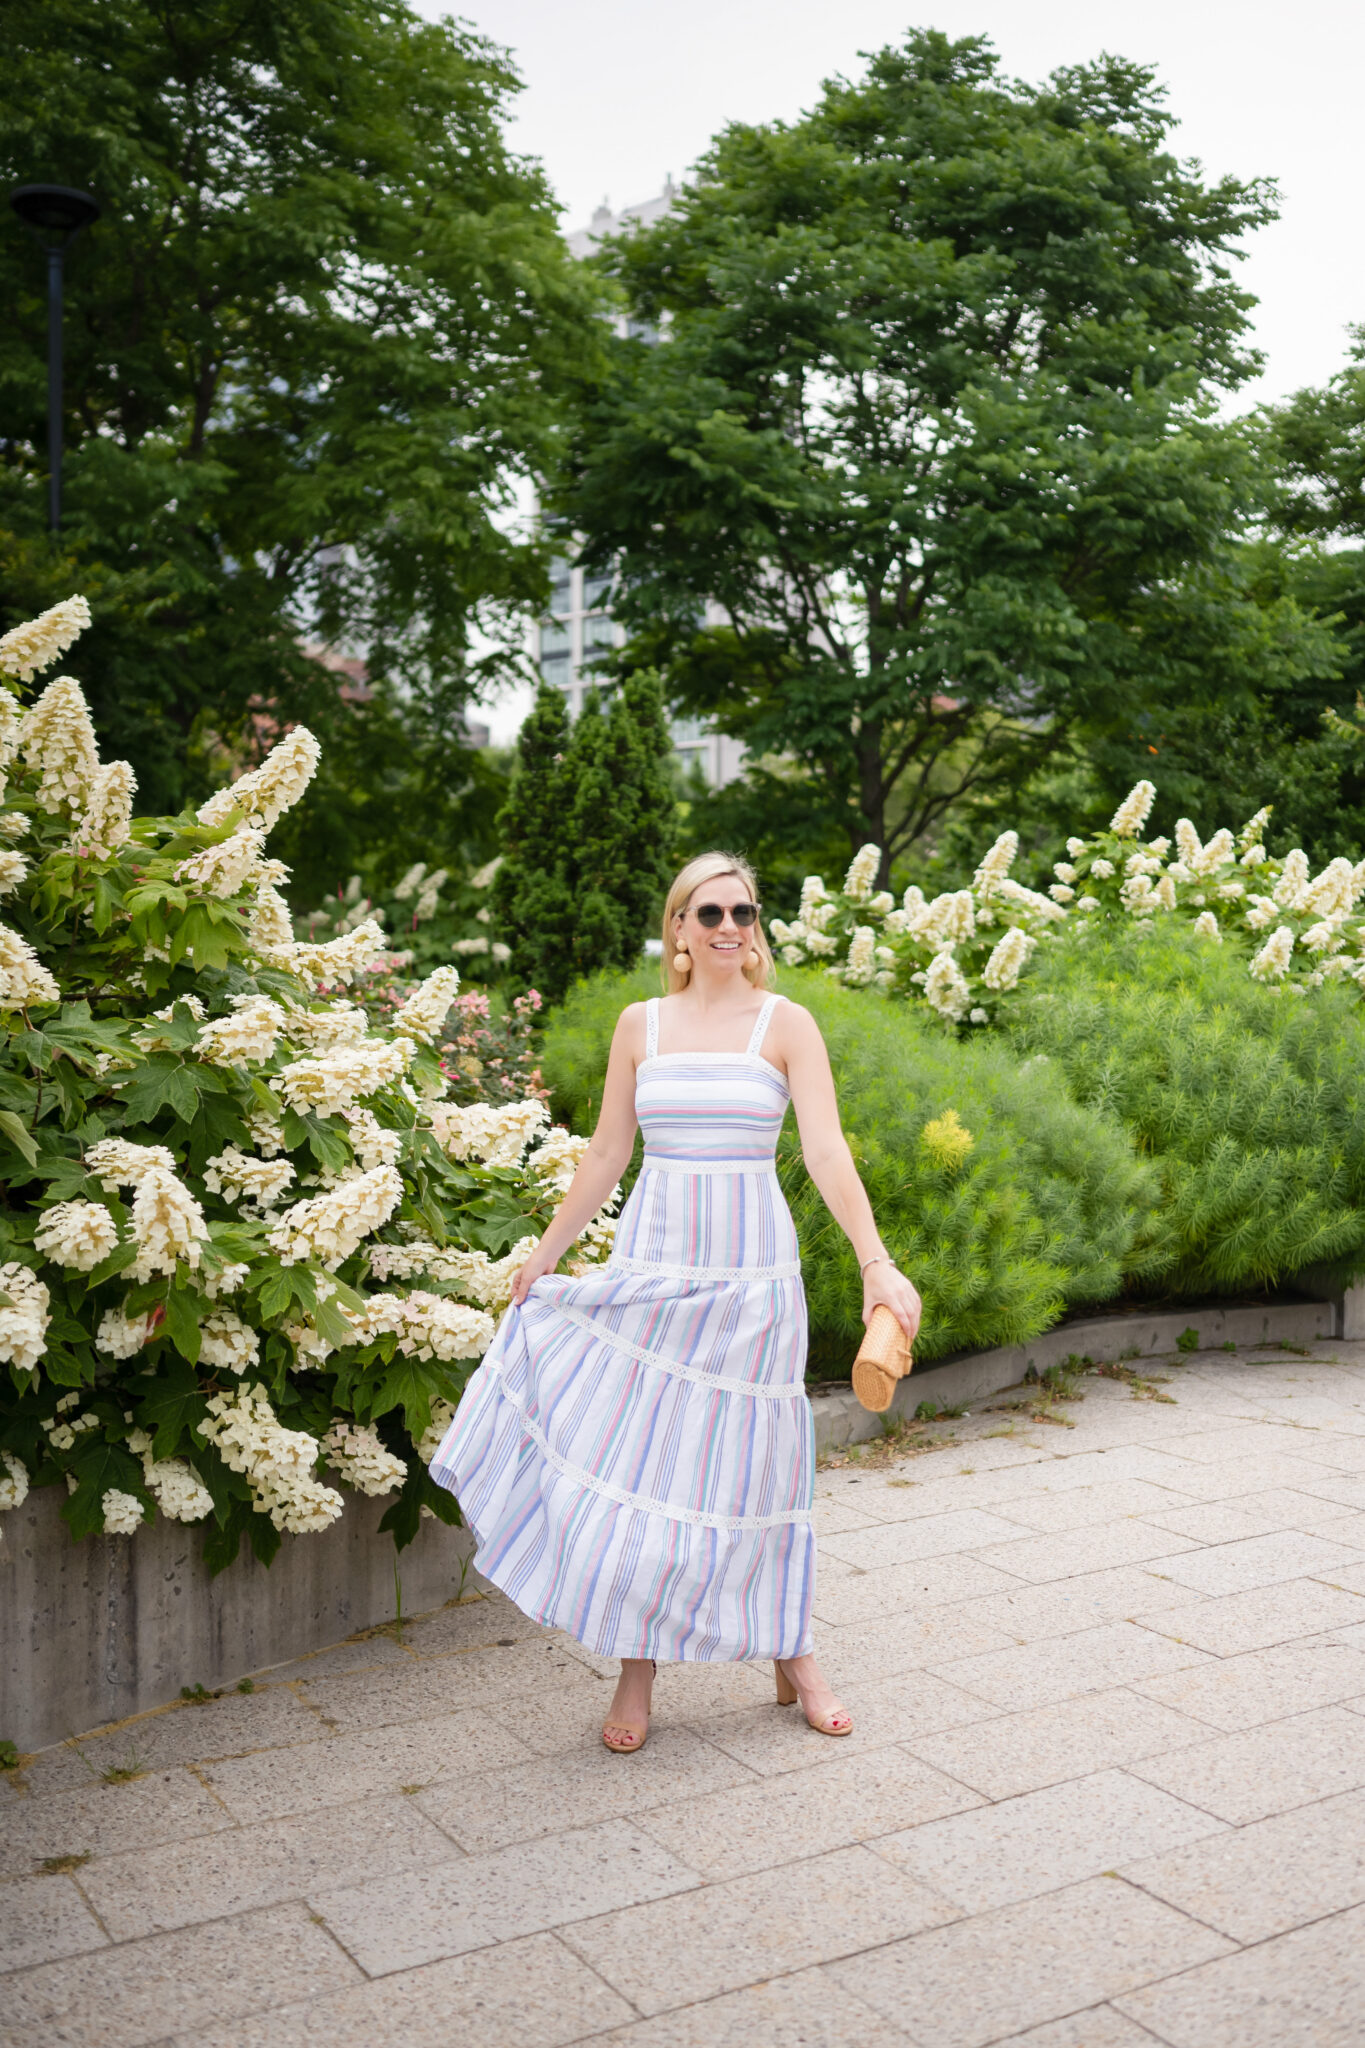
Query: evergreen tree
[[621, 819], [588, 835], [530, 895]]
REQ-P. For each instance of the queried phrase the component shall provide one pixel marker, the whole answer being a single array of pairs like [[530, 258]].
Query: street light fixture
[[55, 213]]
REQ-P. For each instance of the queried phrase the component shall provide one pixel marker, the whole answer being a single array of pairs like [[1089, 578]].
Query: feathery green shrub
[[1045, 1206], [1249, 1099]]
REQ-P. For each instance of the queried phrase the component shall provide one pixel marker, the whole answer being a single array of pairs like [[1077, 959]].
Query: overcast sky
[[618, 93]]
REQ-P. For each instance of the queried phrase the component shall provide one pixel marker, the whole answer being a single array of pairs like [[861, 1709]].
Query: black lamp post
[[55, 213]]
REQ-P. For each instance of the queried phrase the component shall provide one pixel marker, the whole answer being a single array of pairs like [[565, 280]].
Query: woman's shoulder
[[792, 1024]]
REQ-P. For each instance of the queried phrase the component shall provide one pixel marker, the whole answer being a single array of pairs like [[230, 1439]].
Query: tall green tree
[[323, 328], [1286, 731], [588, 833], [928, 429]]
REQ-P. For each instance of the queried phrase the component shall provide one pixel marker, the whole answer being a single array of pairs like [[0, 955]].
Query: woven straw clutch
[[884, 1357]]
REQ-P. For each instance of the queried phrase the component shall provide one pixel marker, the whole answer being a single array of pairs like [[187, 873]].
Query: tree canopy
[[927, 441], [323, 327]]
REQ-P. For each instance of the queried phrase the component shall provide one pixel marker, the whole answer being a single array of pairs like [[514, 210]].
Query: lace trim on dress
[[659, 1269], [695, 1518], [697, 1374]]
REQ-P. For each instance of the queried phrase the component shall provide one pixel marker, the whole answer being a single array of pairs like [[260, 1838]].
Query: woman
[[635, 1454]]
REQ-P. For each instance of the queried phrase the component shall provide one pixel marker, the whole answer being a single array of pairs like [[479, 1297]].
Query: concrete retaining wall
[[93, 1631]]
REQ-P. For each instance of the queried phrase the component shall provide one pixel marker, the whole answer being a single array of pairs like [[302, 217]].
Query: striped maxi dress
[[635, 1454]]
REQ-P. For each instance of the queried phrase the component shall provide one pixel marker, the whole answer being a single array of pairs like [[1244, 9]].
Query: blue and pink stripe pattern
[[635, 1453]]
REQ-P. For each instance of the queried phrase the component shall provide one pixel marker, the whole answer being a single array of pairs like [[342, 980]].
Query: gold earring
[[682, 962]]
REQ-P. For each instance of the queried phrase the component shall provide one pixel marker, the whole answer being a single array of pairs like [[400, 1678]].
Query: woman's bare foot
[[627, 1722], [818, 1702]]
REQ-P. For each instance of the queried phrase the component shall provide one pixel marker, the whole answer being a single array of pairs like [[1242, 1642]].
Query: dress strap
[[652, 1028], [764, 1019]]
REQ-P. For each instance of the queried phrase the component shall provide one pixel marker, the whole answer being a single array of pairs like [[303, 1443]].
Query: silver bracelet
[[877, 1259]]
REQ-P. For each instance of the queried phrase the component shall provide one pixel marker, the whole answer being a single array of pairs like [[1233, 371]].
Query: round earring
[[682, 962]]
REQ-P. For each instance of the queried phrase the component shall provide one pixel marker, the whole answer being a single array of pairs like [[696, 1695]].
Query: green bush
[[1045, 1207], [1250, 1099]]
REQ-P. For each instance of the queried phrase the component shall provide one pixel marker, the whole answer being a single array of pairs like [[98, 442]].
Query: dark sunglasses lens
[[712, 915]]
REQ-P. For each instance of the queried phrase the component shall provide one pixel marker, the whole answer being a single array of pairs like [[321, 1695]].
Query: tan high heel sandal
[[788, 1696], [629, 1748]]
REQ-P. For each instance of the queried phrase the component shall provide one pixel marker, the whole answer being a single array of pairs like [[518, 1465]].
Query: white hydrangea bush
[[958, 952], [250, 1251], [963, 951]]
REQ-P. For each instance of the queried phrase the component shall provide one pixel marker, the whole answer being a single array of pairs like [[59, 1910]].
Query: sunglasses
[[712, 915]]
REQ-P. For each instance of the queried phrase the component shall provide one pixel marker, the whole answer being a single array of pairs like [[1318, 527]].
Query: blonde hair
[[759, 968]]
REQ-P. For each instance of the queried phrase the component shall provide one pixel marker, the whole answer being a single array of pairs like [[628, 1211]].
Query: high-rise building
[[579, 626]]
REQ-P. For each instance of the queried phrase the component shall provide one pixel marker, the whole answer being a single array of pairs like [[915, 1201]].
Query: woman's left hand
[[885, 1287]]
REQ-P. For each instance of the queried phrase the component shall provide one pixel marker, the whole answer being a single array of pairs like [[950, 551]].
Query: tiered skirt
[[635, 1454]]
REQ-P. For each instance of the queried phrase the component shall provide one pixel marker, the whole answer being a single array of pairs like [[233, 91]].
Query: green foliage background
[[1250, 1100]]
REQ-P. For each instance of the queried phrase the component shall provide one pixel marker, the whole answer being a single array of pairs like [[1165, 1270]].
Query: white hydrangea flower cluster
[[106, 822], [442, 1415], [373, 1143], [427, 1008], [334, 1081], [121, 1335], [426, 1325], [259, 1183], [1008, 959], [168, 1225], [486, 1281], [28, 649], [556, 1158], [358, 1455], [24, 1319], [264, 794], [1272, 962], [245, 1038], [277, 1463], [76, 1234], [14, 1477], [498, 1134], [63, 1427], [23, 977], [335, 963], [119, 1164], [57, 738], [320, 1030], [122, 1512], [221, 870], [174, 1485], [13, 870], [333, 1225], [1133, 813], [226, 1343], [946, 988], [224, 1279], [862, 873]]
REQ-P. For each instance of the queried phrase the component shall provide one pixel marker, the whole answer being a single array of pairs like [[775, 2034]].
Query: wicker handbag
[[884, 1357]]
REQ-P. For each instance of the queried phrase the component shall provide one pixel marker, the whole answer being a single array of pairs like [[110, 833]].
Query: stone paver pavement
[[1106, 1786]]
